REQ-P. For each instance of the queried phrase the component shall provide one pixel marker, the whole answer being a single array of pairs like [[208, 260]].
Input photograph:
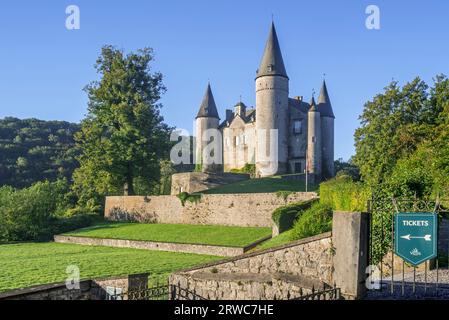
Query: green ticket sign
[[416, 237]]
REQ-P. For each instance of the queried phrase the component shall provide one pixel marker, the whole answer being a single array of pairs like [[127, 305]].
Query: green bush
[[38, 212], [314, 221], [342, 193], [185, 196], [285, 216]]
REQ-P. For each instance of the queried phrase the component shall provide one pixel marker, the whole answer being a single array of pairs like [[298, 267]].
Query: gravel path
[[411, 292]]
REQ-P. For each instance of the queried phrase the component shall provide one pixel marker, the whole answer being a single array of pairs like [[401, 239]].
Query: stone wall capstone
[[161, 246]]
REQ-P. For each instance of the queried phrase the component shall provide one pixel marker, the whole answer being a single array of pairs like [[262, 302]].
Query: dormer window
[[270, 68], [297, 127]]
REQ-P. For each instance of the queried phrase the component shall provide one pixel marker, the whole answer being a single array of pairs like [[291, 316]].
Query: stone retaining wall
[[309, 258], [162, 246], [339, 257], [246, 210], [92, 289], [246, 286]]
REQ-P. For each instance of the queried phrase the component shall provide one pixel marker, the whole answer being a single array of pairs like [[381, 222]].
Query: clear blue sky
[[43, 66]]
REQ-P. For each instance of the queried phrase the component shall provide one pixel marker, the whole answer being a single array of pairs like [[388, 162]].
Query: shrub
[[283, 194], [247, 168], [38, 212], [285, 216], [185, 196], [342, 193], [314, 221]]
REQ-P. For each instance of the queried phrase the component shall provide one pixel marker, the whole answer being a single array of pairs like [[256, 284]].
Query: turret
[[314, 140], [206, 119], [327, 132], [272, 88]]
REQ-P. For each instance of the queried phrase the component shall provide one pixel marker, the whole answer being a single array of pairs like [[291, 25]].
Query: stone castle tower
[[279, 135], [206, 119], [272, 89]]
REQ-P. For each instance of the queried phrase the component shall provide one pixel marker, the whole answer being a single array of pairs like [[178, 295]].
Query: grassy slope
[[271, 184], [23, 265], [178, 233], [281, 239]]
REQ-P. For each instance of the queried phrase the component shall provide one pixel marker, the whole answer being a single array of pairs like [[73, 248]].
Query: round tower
[[327, 132], [206, 119], [272, 88], [314, 141]]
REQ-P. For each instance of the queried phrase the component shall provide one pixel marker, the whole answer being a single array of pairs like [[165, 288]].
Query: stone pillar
[[350, 234], [138, 281]]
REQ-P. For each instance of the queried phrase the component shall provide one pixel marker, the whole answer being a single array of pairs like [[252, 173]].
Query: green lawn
[[23, 265], [270, 184], [176, 233], [279, 240]]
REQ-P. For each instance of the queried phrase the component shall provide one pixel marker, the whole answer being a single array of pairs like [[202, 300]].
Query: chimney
[[229, 115]]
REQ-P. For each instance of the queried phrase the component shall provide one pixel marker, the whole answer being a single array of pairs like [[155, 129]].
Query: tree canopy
[[403, 140], [123, 138], [33, 150]]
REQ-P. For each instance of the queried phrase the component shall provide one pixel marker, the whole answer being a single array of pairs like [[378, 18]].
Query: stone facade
[[245, 210], [161, 246], [192, 182]]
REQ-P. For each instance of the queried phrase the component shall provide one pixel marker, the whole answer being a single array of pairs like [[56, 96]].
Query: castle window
[[237, 140], [297, 127]]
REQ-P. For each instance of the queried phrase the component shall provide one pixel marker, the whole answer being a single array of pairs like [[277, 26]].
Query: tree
[[402, 144], [393, 124], [33, 150], [123, 136]]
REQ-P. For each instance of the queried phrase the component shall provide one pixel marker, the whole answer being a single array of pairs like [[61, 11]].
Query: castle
[[301, 132]]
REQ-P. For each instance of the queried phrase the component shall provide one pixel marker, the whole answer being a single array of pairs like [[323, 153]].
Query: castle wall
[[271, 113], [327, 132], [246, 210]]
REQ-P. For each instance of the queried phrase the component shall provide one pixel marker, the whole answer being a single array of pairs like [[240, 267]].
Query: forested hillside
[[33, 150]]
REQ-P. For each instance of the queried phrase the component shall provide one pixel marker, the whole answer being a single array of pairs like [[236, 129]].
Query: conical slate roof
[[272, 63], [324, 103], [208, 107], [313, 106]]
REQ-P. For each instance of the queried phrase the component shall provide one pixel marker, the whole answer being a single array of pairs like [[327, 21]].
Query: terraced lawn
[[23, 265], [262, 185], [176, 233], [280, 240]]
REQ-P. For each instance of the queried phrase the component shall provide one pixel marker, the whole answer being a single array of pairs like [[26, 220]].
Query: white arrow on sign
[[427, 237]]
